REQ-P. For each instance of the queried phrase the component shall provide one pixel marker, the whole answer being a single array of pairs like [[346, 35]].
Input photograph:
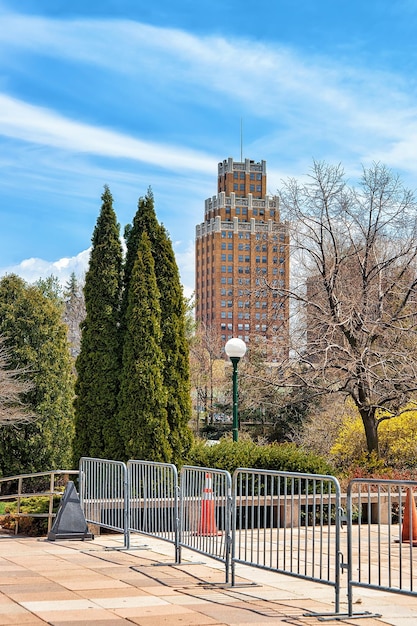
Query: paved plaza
[[71, 583]]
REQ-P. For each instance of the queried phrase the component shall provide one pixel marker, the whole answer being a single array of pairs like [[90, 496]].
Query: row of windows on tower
[[246, 258], [241, 187], [252, 175], [228, 234]]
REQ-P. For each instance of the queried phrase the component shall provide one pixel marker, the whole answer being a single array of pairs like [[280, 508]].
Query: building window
[[223, 280], [229, 315], [242, 187], [252, 176], [237, 210], [223, 315], [223, 245], [223, 234], [230, 246], [223, 257], [258, 188], [234, 174], [252, 187], [223, 269], [240, 247], [258, 176], [242, 175], [230, 269], [235, 187], [230, 257], [223, 303], [255, 211], [230, 234], [230, 281]]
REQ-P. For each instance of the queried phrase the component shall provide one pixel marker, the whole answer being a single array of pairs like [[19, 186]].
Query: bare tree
[[14, 384], [354, 249], [205, 353]]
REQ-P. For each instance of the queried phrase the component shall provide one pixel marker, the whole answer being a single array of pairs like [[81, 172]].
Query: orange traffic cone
[[207, 525], [409, 529]]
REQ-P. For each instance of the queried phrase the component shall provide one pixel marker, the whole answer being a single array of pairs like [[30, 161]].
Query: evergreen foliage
[[98, 364], [176, 374], [142, 417], [36, 338]]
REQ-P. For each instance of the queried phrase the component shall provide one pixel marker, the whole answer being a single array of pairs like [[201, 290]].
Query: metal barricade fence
[[205, 512], [289, 523], [154, 501], [104, 495], [382, 530]]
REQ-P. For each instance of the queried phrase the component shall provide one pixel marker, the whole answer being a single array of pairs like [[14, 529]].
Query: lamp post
[[235, 348]]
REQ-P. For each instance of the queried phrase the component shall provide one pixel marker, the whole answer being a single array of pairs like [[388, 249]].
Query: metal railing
[[104, 495], [153, 501], [205, 512], [18, 489], [289, 523], [381, 536]]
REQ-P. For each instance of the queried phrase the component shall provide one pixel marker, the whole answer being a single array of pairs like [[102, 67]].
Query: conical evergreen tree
[[175, 347], [173, 342], [142, 413], [98, 364]]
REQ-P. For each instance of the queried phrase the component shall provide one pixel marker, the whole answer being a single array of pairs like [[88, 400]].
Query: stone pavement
[[71, 583]]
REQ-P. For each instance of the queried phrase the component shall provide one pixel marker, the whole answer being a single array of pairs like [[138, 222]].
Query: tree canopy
[[35, 338], [353, 291]]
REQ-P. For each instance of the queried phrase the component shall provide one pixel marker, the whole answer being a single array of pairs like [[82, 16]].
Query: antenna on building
[[241, 140]]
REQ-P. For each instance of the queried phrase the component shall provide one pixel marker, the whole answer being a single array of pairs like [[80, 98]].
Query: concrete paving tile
[[180, 619], [149, 611], [130, 602], [43, 594], [26, 620], [110, 621], [82, 616], [91, 594]]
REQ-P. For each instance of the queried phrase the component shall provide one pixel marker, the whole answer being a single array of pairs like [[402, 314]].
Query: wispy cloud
[[33, 124]]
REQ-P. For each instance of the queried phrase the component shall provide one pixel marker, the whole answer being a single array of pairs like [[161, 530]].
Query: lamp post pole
[[235, 427], [235, 348]]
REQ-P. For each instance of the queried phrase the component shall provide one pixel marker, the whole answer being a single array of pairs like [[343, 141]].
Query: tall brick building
[[241, 251]]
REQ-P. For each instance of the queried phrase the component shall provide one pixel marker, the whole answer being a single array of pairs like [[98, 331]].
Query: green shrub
[[229, 455], [31, 526]]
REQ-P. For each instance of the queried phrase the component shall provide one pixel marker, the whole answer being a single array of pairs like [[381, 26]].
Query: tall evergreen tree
[[36, 340], [174, 346], [173, 321], [98, 363], [142, 415]]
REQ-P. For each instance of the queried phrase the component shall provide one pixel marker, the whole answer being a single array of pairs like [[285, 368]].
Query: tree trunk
[[371, 429]]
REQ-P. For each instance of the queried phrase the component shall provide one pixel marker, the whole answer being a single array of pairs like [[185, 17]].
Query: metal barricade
[[381, 536], [205, 513], [104, 495], [289, 523], [154, 501]]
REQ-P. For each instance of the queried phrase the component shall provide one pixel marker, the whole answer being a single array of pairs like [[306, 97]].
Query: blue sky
[[134, 94]]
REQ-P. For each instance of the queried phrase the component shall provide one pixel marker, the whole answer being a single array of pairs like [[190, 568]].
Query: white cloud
[[33, 269], [24, 121]]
